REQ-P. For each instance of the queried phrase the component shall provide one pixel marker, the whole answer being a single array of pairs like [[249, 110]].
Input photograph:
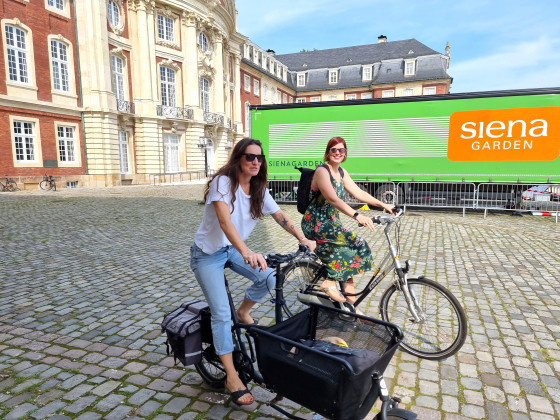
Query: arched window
[[205, 94], [114, 13], [203, 41], [59, 60], [17, 54]]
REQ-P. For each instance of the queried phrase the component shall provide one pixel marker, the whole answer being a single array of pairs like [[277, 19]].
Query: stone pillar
[[144, 66], [237, 93], [219, 78], [190, 65]]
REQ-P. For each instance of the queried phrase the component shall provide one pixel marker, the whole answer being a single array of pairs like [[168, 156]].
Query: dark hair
[[232, 168], [333, 142]]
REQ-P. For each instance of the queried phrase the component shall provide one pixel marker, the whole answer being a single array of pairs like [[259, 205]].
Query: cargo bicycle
[[432, 319], [328, 360]]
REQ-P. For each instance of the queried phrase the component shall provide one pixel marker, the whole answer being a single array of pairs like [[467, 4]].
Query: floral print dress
[[343, 253]]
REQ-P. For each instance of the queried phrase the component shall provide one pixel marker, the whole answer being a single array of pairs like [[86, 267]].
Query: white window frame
[[351, 96], [203, 42], [75, 140], [205, 87], [56, 4], [366, 73], [278, 97], [408, 92], [429, 90], [256, 87], [247, 118], [333, 77], [166, 29], [114, 13], [62, 97], [284, 98], [118, 77], [315, 99], [124, 152], [60, 66], [171, 151], [15, 88], [247, 83], [291, 99], [168, 87], [66, 143], [35, 137], [60, 7], [17, 53], [265, 92], [388, 93], [332, 98], [410, 67], [300, 100], [366, 95], [300, 79]]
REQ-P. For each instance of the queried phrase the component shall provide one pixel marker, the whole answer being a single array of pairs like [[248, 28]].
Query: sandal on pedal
[[333, 293], [236, 396]]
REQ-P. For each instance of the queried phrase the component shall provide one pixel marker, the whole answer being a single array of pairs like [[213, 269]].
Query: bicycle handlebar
[[274, 260], [383, 220]]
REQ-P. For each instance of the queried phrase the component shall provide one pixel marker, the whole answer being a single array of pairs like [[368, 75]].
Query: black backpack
[[304, 194]]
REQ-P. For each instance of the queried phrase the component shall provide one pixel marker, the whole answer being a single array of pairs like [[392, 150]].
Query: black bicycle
[[48, 183], [8, 185], [307, 358], [432, 319]]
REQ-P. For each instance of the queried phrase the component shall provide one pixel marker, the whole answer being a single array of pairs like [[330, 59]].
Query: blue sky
[[495, 44]]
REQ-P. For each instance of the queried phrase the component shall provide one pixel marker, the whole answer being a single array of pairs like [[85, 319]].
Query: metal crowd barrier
[[177, 177], [537, 199]]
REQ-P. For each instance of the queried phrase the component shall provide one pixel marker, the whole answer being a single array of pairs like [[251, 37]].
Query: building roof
[[361, 54]]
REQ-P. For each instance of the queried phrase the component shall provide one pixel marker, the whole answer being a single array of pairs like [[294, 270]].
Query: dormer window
[[300, 79], [409, 68], [333, 77], [366, 73]]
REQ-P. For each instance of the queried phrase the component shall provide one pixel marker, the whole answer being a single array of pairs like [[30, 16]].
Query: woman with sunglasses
[[236, 197], [343, 253]]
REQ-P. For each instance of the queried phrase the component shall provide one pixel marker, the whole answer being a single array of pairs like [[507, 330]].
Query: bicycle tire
[[11, 186], [210, 367], [45, 185], [444, 329], [300, 276], [53, 186]]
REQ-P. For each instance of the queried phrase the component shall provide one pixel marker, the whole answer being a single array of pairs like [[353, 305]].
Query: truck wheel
[[389, 194]]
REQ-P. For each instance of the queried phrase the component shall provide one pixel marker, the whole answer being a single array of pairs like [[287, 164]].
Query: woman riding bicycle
[[235, 197], [342, 252]]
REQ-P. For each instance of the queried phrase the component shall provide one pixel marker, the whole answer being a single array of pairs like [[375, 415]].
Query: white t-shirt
[[210, 237]]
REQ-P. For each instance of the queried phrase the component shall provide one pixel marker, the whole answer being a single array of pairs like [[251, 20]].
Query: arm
[[224, 218], [323, 181], [283, 220], [361, 195]]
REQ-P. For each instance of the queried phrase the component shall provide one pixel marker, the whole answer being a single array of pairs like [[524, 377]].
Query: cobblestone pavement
[[86, 276]]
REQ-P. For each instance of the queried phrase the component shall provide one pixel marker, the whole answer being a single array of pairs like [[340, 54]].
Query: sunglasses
[[249, 157], [341, 150]]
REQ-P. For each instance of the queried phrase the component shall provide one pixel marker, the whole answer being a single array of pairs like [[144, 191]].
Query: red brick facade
[[41, 25]]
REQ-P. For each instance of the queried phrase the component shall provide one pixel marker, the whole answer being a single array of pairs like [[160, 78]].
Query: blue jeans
[[209, 272]]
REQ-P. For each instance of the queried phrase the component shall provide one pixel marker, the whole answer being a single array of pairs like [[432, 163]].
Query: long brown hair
[[232, 169], [333, 142]]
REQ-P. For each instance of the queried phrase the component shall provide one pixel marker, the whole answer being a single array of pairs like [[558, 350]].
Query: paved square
[[86, 276]]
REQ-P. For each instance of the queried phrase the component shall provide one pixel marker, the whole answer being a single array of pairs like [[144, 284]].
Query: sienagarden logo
[[518, 134]]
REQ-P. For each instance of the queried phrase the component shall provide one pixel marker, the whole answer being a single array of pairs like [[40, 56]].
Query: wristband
[[355, 215]]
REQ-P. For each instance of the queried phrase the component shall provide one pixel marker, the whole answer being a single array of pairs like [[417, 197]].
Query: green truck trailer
[[481, 137]]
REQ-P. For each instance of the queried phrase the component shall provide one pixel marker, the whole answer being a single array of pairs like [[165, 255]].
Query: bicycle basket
[[299, 360]]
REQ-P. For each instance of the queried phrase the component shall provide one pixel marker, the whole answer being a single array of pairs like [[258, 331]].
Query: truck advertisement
[[500, 136]]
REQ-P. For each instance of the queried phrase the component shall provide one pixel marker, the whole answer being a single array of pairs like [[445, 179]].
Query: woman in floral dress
[[343, 253]]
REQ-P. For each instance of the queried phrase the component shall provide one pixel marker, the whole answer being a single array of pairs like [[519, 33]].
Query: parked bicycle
[[282, 359], [48, 183], [9, 185], [431, 317]]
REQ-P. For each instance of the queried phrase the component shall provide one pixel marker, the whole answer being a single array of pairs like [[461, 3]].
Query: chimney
[[381, 38], [271, 52]]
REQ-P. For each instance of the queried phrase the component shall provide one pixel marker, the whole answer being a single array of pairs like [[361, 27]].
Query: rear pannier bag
[[184, 329]]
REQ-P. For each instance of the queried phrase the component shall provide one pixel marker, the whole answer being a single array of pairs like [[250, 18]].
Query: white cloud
[[528, 64]]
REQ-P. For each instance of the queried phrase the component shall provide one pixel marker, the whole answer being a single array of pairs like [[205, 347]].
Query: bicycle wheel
[[443, 326], [53, 186], [210, 367], [11, 186], [45, 185], [300, 278]]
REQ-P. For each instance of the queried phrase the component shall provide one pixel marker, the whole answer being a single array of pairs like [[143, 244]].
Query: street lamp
[[203, 143]]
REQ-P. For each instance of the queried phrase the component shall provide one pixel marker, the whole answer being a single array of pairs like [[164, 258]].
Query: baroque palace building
[[116, 92]]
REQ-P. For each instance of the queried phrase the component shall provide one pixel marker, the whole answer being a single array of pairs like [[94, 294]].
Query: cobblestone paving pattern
[[86, 276]]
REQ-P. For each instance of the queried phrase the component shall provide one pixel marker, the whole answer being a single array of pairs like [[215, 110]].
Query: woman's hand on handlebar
[[391, 209], [365, 221], [311, 245], [255, 260]]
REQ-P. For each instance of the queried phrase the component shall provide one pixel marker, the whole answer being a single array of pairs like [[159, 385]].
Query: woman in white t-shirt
[[236, 197]]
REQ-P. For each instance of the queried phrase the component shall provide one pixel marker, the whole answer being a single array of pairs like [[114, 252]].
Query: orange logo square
[[519, 134]]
